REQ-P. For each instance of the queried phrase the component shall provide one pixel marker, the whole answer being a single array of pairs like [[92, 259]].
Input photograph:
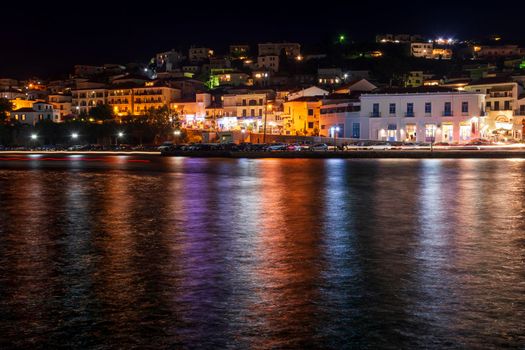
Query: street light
[[74, 136], [34, 136], [335, 130], [119, 135], [177, 135]]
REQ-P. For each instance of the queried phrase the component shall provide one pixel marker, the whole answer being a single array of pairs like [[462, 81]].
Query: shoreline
[[361, 154]]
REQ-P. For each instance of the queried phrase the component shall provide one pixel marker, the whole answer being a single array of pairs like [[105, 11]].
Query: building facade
[[424, 116]]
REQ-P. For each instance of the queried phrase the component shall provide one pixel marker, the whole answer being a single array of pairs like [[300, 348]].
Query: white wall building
[[424, 115], [270, 63], [421, 49], [346, 115], [39, 112]]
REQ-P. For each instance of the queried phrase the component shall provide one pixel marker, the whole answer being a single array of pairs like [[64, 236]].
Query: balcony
[[447, 114], [409, 115], [375, 115]]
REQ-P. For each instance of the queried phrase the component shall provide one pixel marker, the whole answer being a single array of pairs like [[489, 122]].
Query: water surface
[[270, 253]]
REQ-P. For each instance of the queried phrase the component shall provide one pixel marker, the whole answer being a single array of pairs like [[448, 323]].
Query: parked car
[[380, 146], [319, 147], [277, 147], [166, 146]]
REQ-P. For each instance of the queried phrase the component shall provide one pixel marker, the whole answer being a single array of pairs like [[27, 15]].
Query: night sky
[[47, 39]]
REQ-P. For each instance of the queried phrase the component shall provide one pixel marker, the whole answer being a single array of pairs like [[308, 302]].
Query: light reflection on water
[[263, 254]]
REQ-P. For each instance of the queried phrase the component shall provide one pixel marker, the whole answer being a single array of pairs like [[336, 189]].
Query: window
[[488, 105], [375, 110], [310, 125], [260, 113], [464, 107], [410, 109], [448, 109], [392, 108], [496, 105], [252, 113], [356, 130], [507, 105], [244, 102], [244, 113], [310, 111], [428, 107]]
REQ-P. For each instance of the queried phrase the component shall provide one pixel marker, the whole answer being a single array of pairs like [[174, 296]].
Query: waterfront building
[[343, 112], [301, 116], [425, 114], [501, 103], [39, 111]]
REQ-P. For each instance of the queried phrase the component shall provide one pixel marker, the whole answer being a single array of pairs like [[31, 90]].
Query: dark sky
[[46, 39]]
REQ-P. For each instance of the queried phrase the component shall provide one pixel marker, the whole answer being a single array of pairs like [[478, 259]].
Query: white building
[[270, 63], [39, 112], [421, 49], [425, 114], [307, 92], [346, 115]]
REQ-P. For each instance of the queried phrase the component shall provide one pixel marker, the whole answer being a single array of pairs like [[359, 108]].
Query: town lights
[[34, 136], [335, 130], [120, 134], [74, 136], [176, 133]]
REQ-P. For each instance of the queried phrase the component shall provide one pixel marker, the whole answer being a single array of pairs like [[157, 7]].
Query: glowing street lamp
[[335, 130], [74, 136], [177, 136], [34, 136]]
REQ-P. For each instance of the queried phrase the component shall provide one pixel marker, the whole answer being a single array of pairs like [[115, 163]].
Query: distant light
[[176, 133], [145, 69], [74, 135], [34, 136], [120, 134]]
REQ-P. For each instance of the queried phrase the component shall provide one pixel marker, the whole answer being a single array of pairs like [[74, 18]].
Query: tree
[[5, 107], [102, 112], [162, 120]]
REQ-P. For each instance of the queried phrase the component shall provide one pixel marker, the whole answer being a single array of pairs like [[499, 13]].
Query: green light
[[341, 38]]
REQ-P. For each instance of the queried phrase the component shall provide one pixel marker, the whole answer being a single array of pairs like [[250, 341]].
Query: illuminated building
[[153, 95], [85, 99], [38, 112], [498, 51], [301, 115], [344, 113], [421, 49], [501, 95], [62, 104], [424, 114]]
